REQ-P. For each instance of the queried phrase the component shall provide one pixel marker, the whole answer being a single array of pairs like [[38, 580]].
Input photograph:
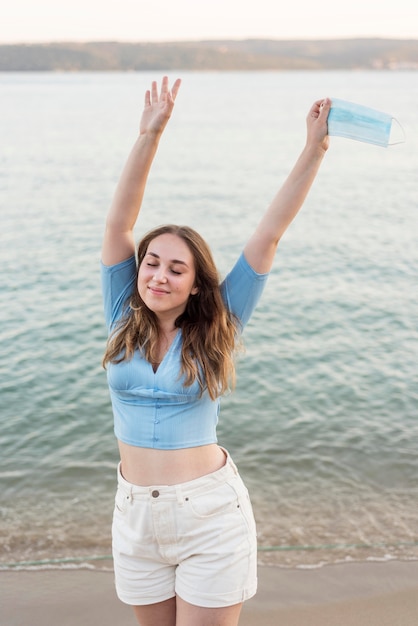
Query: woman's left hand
[[316, 122]]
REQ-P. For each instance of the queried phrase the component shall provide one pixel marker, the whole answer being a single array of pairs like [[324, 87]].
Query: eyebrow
[[173, 261]]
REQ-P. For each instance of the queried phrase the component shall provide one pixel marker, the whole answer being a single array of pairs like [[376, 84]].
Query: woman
[[184, 541]]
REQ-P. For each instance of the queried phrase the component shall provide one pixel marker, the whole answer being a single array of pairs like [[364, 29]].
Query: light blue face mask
[[355, 121]]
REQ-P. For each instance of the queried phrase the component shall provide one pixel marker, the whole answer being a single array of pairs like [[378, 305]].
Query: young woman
[[184, 538]]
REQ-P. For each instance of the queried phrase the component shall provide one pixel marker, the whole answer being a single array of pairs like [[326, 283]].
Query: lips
[[157, 291]]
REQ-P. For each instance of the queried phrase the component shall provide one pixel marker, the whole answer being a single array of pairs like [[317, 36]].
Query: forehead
[[170, 247]]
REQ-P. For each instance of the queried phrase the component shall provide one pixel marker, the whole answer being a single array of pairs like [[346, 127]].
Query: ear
[[194, 291]]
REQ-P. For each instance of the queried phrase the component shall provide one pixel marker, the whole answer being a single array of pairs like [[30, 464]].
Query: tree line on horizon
[[220, 55]]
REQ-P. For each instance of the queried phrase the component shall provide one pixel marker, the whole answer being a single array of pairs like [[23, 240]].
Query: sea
[[323, 422]]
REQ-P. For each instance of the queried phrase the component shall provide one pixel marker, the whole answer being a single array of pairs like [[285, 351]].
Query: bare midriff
[[148, 466]]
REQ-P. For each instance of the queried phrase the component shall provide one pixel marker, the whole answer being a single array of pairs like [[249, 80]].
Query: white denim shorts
[[196, 540]]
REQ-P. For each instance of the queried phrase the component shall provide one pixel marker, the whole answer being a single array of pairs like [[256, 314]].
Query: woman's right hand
[[119, 242], [158, 107]]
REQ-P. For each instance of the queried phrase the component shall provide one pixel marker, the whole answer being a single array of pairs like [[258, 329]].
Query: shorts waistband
[[181, 490]]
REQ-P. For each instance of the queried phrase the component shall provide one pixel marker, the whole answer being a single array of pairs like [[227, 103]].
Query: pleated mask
[[355, 121]]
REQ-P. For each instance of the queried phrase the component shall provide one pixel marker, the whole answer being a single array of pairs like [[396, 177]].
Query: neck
[[166, 325], [166, 330]]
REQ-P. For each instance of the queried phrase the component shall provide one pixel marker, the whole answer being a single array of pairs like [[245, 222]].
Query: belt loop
[[229, 462], [179, 493], [232, 464]]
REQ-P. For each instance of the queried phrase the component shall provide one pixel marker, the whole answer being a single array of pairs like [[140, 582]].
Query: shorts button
[[155, 493]]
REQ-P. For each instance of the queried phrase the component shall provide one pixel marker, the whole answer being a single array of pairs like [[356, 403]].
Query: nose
[[159, 275]]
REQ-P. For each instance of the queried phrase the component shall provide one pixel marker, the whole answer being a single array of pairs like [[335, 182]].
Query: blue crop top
[[154, 409]]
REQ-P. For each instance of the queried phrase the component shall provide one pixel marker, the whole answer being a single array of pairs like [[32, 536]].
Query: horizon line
[[205, 40]]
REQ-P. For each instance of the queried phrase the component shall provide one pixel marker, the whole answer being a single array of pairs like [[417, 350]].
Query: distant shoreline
[[212, 55]]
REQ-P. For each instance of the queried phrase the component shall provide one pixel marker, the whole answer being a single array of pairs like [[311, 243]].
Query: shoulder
[[241, 289], [117, 286]]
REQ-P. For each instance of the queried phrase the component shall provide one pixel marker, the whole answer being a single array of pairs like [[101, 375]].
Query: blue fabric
[[155, 409], [355, 121]]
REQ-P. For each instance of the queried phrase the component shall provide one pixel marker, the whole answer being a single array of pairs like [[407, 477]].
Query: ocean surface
[[323, 423]]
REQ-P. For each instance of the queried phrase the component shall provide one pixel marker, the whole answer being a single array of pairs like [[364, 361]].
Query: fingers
[[317, 128], [154, 92], [152, 97], [325, 106], [164, 87], [320, 108], [175, 88]]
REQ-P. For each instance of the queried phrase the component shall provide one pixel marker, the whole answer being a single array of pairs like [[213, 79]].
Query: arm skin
[[261, 247], [118, 241]]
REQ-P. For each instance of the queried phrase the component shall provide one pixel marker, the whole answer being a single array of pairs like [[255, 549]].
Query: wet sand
[[352, 594]]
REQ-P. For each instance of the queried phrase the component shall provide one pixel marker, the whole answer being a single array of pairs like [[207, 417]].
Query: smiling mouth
[[157, 291]]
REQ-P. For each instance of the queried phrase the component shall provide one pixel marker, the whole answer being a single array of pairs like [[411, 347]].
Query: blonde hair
[[209, 330]]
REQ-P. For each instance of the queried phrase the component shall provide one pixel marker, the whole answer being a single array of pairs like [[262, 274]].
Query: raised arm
[[118, 241], [261, 247]]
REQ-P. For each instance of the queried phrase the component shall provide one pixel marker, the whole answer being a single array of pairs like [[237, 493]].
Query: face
[[166, 276]]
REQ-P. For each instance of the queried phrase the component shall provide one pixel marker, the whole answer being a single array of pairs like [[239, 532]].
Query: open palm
[[158, 107]]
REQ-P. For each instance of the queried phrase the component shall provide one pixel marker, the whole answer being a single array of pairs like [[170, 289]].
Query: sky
[[32, 21]]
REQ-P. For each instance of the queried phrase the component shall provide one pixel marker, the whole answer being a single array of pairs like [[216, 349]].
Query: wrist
[[148, 139], [150, 133], [316, 151]]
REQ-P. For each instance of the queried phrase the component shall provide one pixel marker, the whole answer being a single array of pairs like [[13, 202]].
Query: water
[[323, 423]]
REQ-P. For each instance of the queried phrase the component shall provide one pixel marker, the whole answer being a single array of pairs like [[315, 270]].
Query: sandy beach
[[352, 594]]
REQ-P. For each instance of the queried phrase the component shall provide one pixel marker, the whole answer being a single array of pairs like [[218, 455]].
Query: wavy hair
[[209, 330]]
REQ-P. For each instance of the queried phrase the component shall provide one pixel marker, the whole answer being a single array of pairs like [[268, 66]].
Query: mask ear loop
[[396, 143]]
